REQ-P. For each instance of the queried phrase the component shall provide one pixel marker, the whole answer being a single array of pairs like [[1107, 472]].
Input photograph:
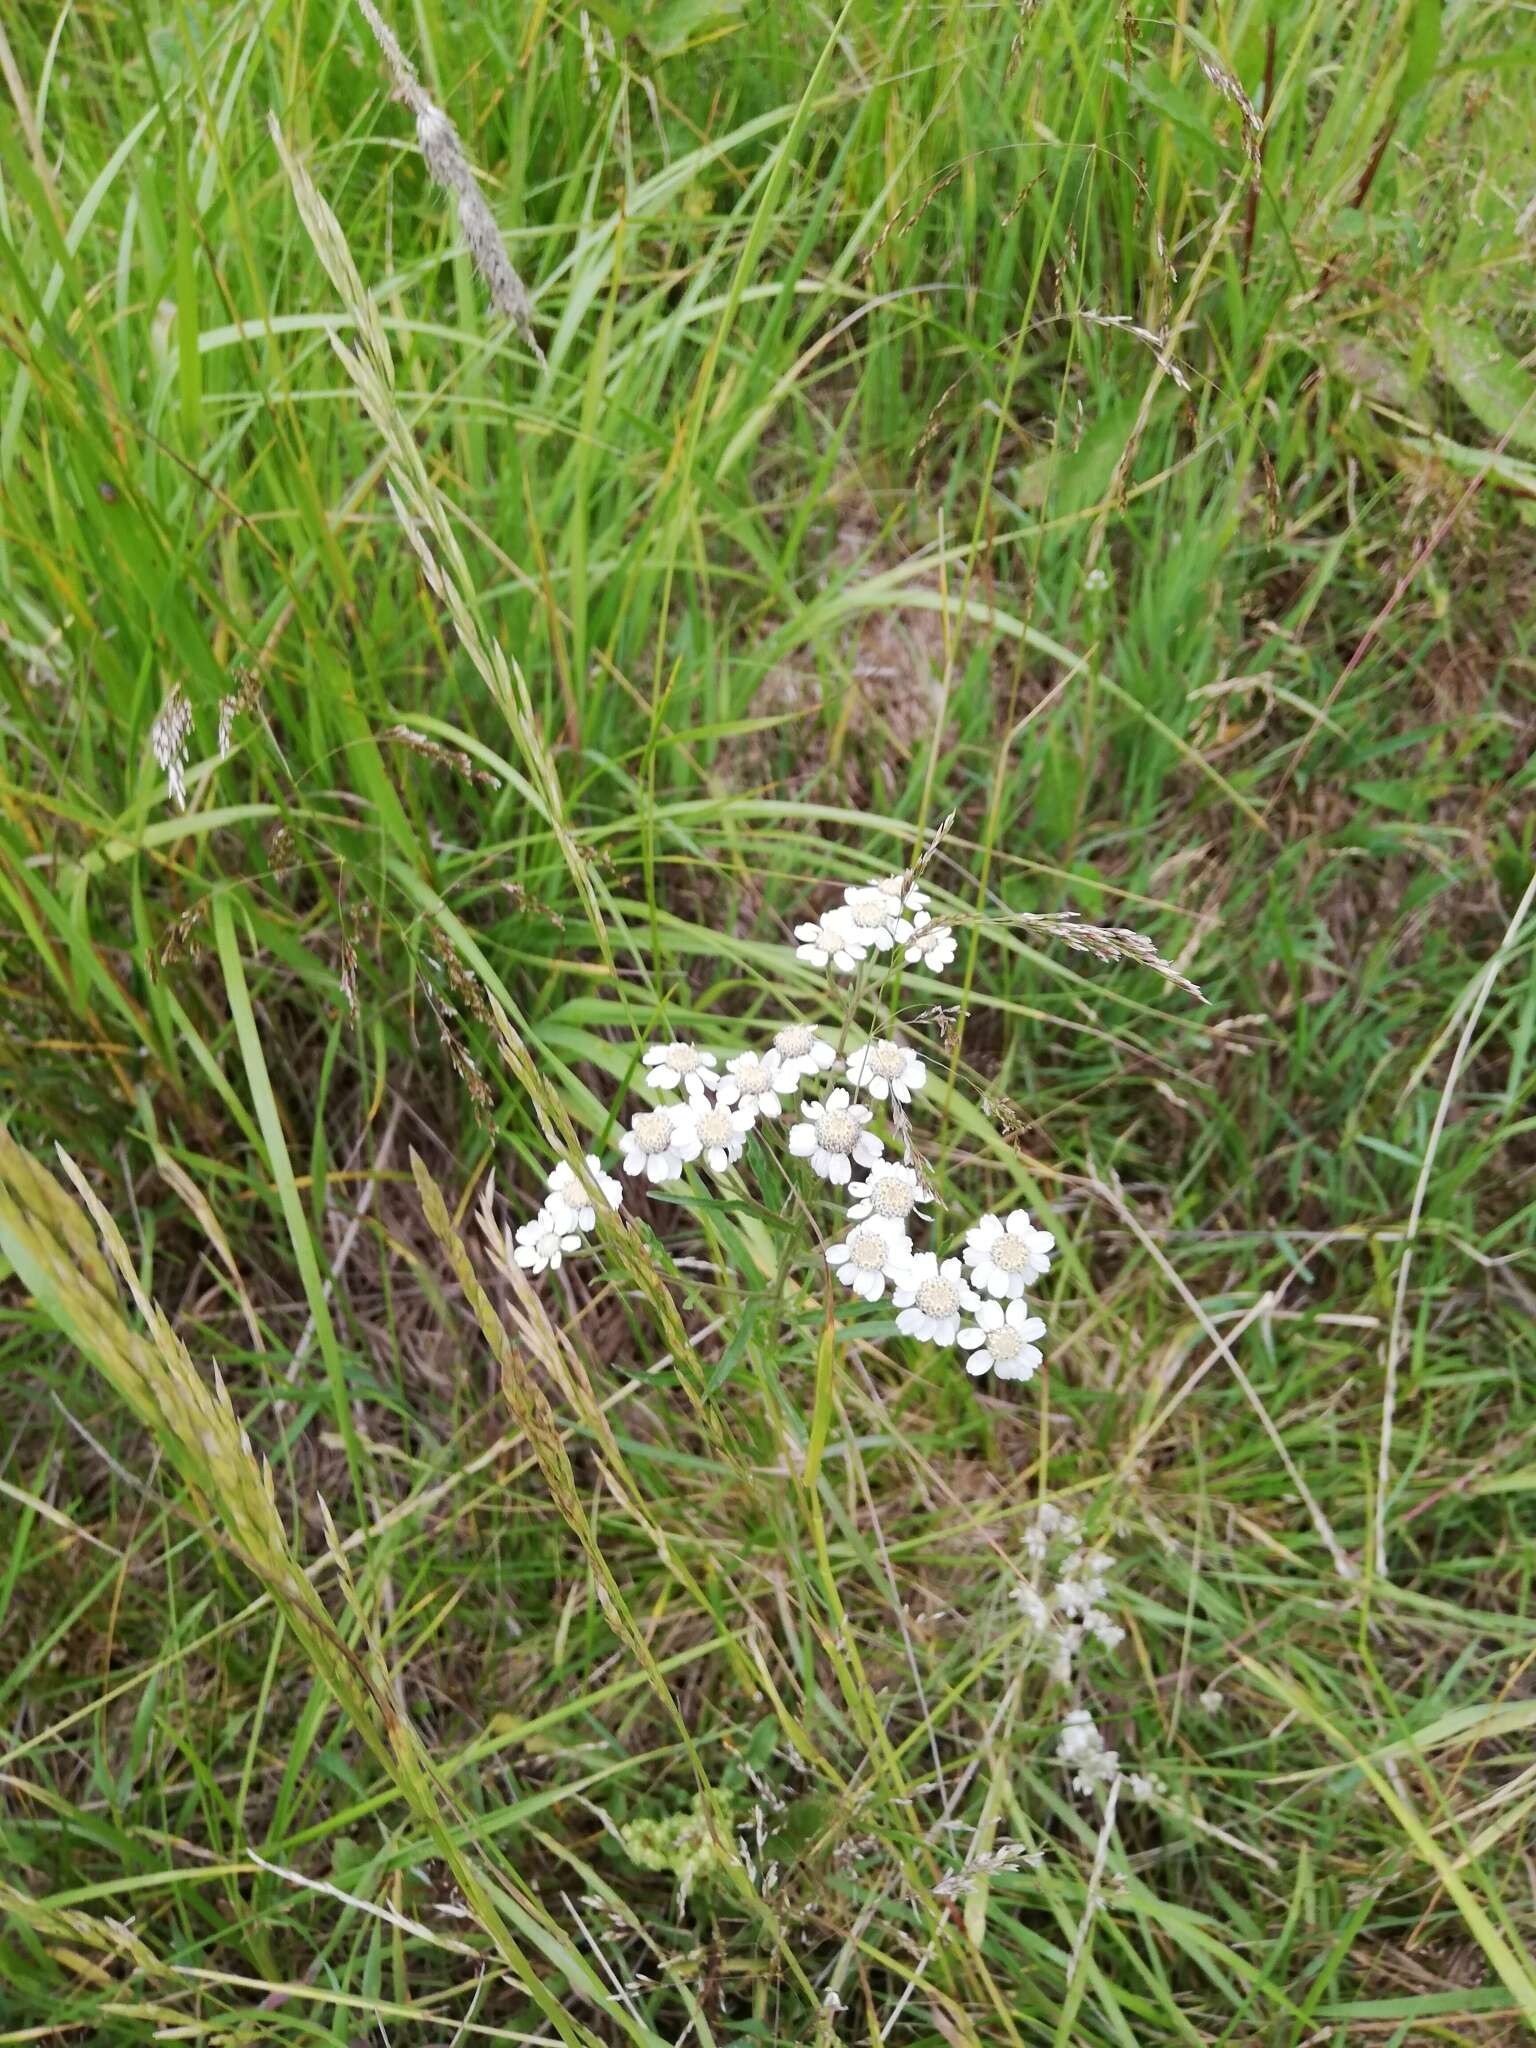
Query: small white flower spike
[[829, 945], [802, 1052], [1006, 1254], [833, 1137], [1080, 1747], [893, 1193], [870, 1255], [883, 1069], [932, 1298], [721, 1132], [679, 1065], [1003, 1341], [930, 945], [547, 1241], [567, 1194], [660, 1142], [757, 1083]]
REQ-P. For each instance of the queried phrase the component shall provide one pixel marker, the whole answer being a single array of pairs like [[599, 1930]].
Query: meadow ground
[[1112, 433]]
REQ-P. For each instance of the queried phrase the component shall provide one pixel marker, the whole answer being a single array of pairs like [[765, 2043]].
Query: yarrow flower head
[[872, 917], [547, 1241], [1081, 1748], [883, 1069], [1003, 1341], [660, 1142], [801, 1051], [932, 1298], [892, 1192], [721, 1131], [1006, 1254], [566, 1192], [930, 945], [826, 944], [833, 1137], [901, 889], [870, 1255], [679, 1065], [757, 1082]]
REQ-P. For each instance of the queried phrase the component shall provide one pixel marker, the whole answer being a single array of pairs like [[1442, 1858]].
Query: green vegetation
[[1115, 432]]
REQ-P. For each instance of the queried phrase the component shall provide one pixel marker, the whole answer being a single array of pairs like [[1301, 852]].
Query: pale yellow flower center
[[868, 1250], [683, 1059], [753, 1078], [1004, 1344], [1011, 1254], [653, 1132], [715, 1128], [937, 1298], [892, 1198], [870, 912], [795, 1041], [888, 1061], [837, 1132]]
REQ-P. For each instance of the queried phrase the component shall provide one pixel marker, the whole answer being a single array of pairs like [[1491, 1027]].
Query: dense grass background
[[845, 498]]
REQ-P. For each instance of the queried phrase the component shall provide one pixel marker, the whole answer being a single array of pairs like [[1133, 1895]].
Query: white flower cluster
[[706, 1105], [1064, 1603]]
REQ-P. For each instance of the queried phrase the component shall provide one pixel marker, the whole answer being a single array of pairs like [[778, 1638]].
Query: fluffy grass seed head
[[834, 1137]]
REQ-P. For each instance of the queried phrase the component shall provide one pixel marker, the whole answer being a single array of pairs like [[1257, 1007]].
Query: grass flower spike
[[659, 1143], [1006, 1254], [833, 1137]]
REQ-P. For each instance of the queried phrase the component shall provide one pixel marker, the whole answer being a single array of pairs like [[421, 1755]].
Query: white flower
[[679, 1065], [1050, 1523], [1006, 1253], [1003, 1341], [872, 919], [882, 1068], [1034, 1607], [1146, 1785], [659, 1143], [758, 1084], [567, 1193], [1080, 1747], [547, 1240], [871, 1254], [721, 1132], [801, 1052], [901, 889], [893, 1192], [930, 945], [932, 1299], [829, 945], [833, 1137], [1212, 1700], [1108, 1634]]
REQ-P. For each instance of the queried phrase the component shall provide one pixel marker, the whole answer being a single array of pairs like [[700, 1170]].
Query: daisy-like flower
[[826, 944], [660, 1142], [901, 889], [679, 1065], [872, 918], [1006, 1254], [801, 1051], [893, 1192], [756, 1082], [932, 1298], [721, 1132], [871, 1254], [1081, 1748], [1002, 1340], [882, 1068], [930, 945], [833, 1137], [548, 1240], [567, 1193]]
